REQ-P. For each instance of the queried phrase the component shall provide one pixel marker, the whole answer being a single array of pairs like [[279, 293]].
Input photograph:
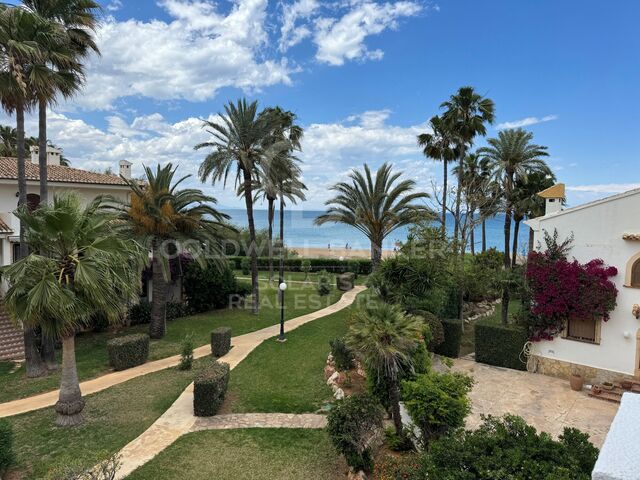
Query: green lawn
[[251, 454], [91, 350], [294, 276], [113, 418], [288, 377], [467, 345]]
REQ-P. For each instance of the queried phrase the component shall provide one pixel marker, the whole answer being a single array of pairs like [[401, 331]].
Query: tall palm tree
[[438, 145], [8, 140], [375, 206], [512, 157], [170, 221], [242, 140], [465, 116], [88, 269], [384, 337]]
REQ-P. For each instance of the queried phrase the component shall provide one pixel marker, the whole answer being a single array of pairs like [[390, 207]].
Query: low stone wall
[[562, 369]]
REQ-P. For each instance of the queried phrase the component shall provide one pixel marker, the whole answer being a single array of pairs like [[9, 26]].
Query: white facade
[[598, 228]]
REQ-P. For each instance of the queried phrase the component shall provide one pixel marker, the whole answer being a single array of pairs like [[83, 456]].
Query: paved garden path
[[242, 345], [179, 419]]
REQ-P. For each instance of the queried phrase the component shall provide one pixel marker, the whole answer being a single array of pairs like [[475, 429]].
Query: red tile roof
[[56, 173]]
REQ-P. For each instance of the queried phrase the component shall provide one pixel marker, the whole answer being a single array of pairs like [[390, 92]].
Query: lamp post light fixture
[[282, 287]]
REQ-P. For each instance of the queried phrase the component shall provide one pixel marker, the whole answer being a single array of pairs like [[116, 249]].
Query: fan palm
[[438, 145], [170, 221], [375, 206], [512, 157], [89, 269], [242, 141], [465, 116], [8, 137], [61, 73], [384, 337]]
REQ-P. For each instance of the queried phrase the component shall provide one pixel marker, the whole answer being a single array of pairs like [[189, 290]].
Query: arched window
[[635, 274]]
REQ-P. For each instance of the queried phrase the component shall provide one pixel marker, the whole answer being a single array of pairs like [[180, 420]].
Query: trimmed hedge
[[500, 345], [220, 341], [345, 281], [128, 351], [450, 347], [6, 445], [294, 264], [209, 389], [211, 287]]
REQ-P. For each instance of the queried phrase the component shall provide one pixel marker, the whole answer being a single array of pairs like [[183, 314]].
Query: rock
[[329, 371], [338, 394], [359, 475], [333, 378]]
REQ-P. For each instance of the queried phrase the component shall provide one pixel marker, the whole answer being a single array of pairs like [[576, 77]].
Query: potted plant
[[576, 381]]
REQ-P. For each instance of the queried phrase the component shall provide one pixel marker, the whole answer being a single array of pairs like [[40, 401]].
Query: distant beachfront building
[[608, 229]]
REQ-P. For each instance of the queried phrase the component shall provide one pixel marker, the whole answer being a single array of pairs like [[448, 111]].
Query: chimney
[[53, 155], [553, 196], [125, 169]]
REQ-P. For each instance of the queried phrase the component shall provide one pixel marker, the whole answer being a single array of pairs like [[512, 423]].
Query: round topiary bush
[[128, 351], [436, 330]]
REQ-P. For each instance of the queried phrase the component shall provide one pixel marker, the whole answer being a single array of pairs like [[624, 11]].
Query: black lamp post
[[282, 287]]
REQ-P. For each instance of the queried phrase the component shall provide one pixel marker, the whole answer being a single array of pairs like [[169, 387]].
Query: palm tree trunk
[[70, 403], [445, 181], [394, 402], [42, 151], [507, 265], [531, 240], [376, 253], [514, 250], [248, 198], [484, 235], [271, 214], [456, 225], [158, 327], [472, 234], [33, 361]]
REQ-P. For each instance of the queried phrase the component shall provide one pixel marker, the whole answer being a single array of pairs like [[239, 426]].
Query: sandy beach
[[313, 252]]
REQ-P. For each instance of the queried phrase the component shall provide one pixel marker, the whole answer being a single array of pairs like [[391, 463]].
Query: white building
[[608, 229]]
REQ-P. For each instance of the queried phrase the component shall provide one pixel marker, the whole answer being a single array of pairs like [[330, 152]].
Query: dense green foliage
[[128, 351], [295, 264], [305, 266], [434, 337], [483, 276], [220, 341], [6, 445], [437, 403], [324, 283], [139, 313], [186, 353], [500, 345], [210, 287], [450, 347], [245, 265], [209, 389], [351, 424], [342, 355]]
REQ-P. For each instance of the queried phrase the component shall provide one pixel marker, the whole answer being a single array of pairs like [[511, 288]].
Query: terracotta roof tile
[[56, 173], [4, 228]]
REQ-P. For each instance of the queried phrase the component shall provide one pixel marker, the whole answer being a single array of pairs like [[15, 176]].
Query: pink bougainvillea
[[562, 289]]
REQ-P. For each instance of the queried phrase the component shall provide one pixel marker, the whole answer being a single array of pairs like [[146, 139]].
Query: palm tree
[[376, 207], [242, 140], [384, 337], [512, 157], [170, 221], [465, 116], [8, 140], [61, 73], [438, 145], [88, 269]]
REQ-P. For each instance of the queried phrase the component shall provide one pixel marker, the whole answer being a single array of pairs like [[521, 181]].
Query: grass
[[467, 345], [295, 276], [288, 377], [113, 418], [250, 454], [91, 349]]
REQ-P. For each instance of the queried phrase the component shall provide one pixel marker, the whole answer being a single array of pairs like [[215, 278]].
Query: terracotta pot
[[576, 382], [626, 384], [596, 390]]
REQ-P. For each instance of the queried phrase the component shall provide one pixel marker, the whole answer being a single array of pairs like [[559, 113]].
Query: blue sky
[[363, 77]]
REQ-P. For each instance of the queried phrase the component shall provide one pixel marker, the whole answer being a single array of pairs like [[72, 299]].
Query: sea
[[300, 232]]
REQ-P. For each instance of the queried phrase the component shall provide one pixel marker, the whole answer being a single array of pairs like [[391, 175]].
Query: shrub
[[175, 310], [450, 347], [210, 287], [436, 330], [342, 355], [437, 403], [6, 445], [245, 266], [75, 470], [220, 341], [305, 266], [508, 448], [140, 313], [294, 264], [209, 389], [353, 266], [396, 467], [186, 353], [345, 281], [352, 424], [99, 322], [324, 283], [128, 351], [500, 345]]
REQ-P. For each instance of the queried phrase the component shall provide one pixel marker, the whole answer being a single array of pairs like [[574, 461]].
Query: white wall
[[598, 231]]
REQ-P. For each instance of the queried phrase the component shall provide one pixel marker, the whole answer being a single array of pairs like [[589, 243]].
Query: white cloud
[[342, 39], [525, 122], [114, 5], [290, 33], [611, 188]]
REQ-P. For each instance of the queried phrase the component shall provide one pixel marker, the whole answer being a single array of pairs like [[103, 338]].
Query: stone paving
[[545, 402], [260, 420]]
